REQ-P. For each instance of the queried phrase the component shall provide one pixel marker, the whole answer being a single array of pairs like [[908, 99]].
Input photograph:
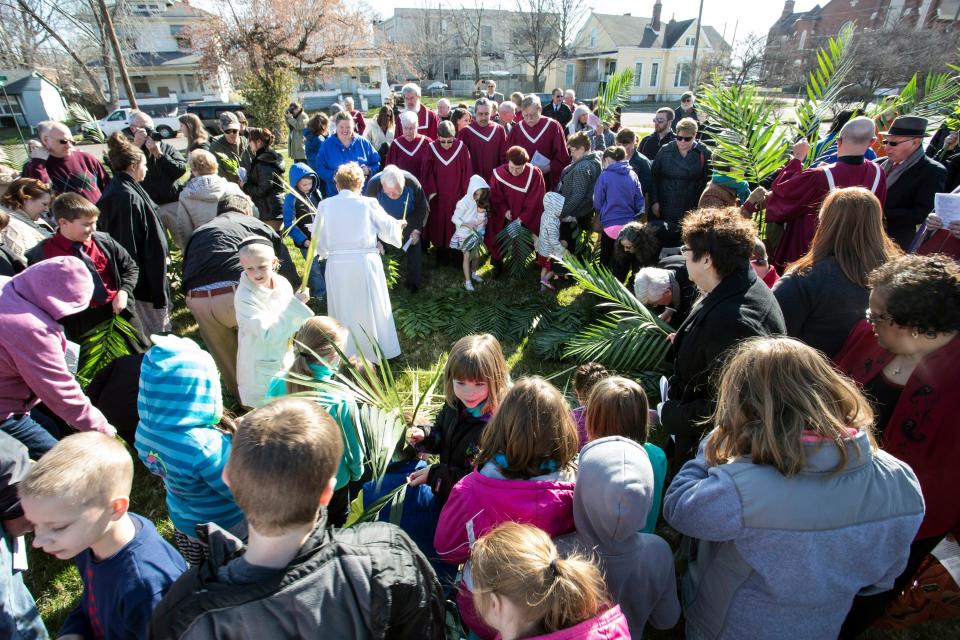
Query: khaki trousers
[[217, 319]]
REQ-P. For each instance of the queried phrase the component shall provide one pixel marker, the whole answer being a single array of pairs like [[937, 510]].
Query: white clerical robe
[[347, 227]]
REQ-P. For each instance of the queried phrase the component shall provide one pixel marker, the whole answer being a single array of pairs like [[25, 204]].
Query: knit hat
[[229, 121], [553, 204], [179, 385]]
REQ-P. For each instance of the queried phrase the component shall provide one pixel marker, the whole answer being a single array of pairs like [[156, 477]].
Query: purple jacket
[[32, 344], [617, 196], [609, 625]]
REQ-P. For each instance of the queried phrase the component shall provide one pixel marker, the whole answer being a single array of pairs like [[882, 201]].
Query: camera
[[153, 134]]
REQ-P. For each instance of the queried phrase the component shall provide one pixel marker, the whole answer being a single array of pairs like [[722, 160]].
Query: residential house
[[28, 98], [660, 54], [362, 76]]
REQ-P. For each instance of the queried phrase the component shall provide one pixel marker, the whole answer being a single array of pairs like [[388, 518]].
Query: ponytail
[[121, 153]]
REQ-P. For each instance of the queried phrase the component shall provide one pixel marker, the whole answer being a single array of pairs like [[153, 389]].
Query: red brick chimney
[[787, 8], [657, 8]]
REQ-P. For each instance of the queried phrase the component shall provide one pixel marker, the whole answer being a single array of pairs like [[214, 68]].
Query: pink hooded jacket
[[32, 343], [609, 625], [478, 503]]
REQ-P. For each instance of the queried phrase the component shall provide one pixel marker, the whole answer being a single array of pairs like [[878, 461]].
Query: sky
[[746, 16]]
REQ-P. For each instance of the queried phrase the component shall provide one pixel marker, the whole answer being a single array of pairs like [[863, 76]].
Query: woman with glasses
[[230, 150], [343, 147], [681, 171], [906, 355], [446, 174], [823, 294]]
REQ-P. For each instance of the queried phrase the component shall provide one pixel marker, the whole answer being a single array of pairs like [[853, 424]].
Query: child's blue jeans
[[318, 286]]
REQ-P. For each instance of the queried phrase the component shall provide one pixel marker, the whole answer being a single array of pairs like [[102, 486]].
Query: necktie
[[99, 291]]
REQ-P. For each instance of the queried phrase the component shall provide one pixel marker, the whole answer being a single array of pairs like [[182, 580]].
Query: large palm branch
[[936, 100], [89, 126], [616, 91], [103, 344]]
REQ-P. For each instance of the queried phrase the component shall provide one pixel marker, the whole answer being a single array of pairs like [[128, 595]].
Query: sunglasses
[[231, 131], [685, 249], [445, 141], [684, 138], [66, 141], [659, 120], [893, 143]]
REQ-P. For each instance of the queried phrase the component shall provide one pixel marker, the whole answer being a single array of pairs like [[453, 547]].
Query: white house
[[29, 98]]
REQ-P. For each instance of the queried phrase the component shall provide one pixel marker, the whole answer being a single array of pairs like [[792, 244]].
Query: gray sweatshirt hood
[[614, 493]]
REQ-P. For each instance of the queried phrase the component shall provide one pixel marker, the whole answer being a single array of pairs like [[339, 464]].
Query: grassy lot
[[56, 585]]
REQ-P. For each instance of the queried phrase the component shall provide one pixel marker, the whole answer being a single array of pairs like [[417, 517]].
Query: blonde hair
[[520, 563], [316, 342], [533, 428], [770, 392], [618, 407], [82, 469], [689, 125], [349, 176], [282, 459], [202, 163], [477, 358]]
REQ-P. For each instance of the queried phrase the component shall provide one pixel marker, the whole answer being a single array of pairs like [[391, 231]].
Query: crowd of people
[[808, 407]]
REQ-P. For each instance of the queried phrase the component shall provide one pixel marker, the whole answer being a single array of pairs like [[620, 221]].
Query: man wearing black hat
[[912, 178]]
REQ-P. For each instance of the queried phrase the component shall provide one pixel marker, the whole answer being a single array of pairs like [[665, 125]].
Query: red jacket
[[922, 430]]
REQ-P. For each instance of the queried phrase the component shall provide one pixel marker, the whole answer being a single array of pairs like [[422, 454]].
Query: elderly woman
[[667, 288], [681, 171], [347, 227], [717, 245], [380, 135], [906, 354], [200, 196], [823, 294], [193, 130], [410, 150], [346, 146], [446, 174], [579, 121], [516, 193], [359, 123]]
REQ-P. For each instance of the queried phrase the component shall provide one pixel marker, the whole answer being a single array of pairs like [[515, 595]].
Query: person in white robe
[[346, 228]]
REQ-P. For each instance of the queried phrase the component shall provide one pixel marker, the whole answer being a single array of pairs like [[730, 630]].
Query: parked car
[[165, 122], [209, 113]]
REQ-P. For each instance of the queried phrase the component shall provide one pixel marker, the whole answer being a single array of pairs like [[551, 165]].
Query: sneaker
[[476, 278], [546, 284], [468, 286]]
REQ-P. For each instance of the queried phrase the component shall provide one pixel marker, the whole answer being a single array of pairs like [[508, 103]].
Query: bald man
[[64, 167]]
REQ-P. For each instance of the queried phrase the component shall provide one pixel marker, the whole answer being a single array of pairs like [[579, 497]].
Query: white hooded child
[[470, 216], [549, 245]]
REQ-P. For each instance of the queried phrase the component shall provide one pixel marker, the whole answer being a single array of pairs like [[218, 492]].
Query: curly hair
[[724, 234], [922, 292], [646, 245], [23, 189]]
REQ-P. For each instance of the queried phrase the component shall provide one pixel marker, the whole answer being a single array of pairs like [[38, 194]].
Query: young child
[[524, 473], [316, 359], [470, 219], [619, 407], [549, 243], [184, 438], [268, 314], [77, 498], [781, 497], [584, 379], [761, 265], [612, 501], [524, 589], [113, 269], [298, 219], [618, 200], [475, 379], [297, 578]]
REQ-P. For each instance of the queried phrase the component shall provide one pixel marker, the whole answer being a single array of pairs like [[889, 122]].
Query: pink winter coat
[[609, 625], [32, 344], [478, 503]]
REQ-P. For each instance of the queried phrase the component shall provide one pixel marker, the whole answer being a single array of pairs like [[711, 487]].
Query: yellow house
[[660, 54]]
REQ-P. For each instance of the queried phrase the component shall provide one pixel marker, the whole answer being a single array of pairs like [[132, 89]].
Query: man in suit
[[557, 110], [492, 93], [912, 178]]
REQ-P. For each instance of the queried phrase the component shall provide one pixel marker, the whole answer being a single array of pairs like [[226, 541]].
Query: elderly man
[[400, 194], [492, 95], [360, 125], [685, 110], [165, 166], [427, 119], [64, 167], [557, 110], [543, 139], [797, 193], [443, 109], [485, 140], [230, 149], [506, 114], [211, 270], [912, 178], [662, 133], [409, 152], [570, 99]]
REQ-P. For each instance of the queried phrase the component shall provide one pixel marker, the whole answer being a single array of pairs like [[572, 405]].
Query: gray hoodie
[[614, 494], [198, 204]]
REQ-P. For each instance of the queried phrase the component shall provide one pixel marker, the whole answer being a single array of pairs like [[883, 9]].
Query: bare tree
[[23, 41], [469, 31], [426, 44], [737, 65], [544, 30], [888, 59]]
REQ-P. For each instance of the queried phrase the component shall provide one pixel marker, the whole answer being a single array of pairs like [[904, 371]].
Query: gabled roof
[[30, 82], [157, 58], [635, 31], [714, 39], [674, 31], [624, 30], [785, 23]]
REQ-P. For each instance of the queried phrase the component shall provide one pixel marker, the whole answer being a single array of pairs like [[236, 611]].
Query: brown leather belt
[[211, 293]]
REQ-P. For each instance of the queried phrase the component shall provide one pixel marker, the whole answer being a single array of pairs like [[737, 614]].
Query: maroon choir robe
[[446, 176], [549, 139], [427, 121], [488, 147], [360, 125], [797, 193], [521, 195], [410, 156]]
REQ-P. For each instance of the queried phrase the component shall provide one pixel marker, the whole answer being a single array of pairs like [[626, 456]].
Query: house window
[[593, 39], [180, 34], [803, 39], [568, 75], [637, 74], [140, 85], [691, 40], [682, 77], [654, 72]]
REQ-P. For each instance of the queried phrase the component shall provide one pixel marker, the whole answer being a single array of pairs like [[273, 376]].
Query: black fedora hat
[[907, 126]]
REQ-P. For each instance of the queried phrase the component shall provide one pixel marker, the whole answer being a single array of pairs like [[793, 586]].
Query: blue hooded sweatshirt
[[617, 196], [179, 405], [297, 218]]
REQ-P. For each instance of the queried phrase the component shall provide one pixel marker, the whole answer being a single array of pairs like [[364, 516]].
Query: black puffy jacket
[[264, 184]]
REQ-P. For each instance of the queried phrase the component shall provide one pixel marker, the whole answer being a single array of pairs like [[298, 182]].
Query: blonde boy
[[77, 498]]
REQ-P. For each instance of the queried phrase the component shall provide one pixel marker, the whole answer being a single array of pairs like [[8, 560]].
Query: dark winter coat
[[642, 166], [239, 153], [910, 198], [455, 435], [741, 306], [264, 184], [163, 173], [576, 186], [368, 581], [677, 184]]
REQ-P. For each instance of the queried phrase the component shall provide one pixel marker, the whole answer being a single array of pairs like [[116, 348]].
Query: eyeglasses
[[231, 132], [760, 262], [684, 138], [66, 141], [875, 319], [445, 141], [893, 143], [685, 249], [659, 120]]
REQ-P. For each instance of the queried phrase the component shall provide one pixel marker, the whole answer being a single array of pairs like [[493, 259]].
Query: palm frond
[[627, 343], [426, 317], [103, 344], [616, 92], [13, 156], [89, 126], [516, 246], [551, 333], [393, 498], [937, 101]]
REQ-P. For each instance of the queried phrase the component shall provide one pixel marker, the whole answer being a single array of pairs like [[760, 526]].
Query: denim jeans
[[36, 431], [19, 618], [318, 286]]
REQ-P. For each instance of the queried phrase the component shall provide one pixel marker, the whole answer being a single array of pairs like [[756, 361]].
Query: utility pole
[[696, 49], [121, 65]]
